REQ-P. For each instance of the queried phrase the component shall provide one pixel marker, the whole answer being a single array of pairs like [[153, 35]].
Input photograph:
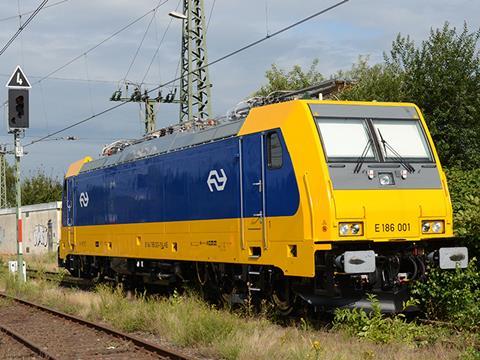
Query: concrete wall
[[41, 228]]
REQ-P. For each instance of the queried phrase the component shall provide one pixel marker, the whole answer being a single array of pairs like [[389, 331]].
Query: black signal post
[[18, 120], [18, 106]]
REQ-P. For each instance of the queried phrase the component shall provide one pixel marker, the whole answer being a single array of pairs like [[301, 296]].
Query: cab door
[[69, 207], [253, 194], [69, 201]]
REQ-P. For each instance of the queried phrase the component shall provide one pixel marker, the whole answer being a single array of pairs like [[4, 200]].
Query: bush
[[442, 76], [452, 296], [465, 193], [471, 353], [378, 327]]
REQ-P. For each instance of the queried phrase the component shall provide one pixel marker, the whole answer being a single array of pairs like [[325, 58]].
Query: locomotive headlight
[[355, 229], [437, 227], [385, 179], [344, 229], [426, 226], [433, 227], [350, 229]]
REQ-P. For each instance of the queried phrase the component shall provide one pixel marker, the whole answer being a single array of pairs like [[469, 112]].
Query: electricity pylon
[[3, 178], [195, 93], [195, 97]]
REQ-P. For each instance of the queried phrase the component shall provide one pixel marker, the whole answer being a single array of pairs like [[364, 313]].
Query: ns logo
[[83, 199], [215, 181]]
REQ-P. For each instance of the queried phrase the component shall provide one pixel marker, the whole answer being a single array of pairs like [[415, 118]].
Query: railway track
[[62, 278], [13, 343], [85, 284], [50, 334]]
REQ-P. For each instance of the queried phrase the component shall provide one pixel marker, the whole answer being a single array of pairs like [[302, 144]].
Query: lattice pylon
[[195, 92], [3, 181]]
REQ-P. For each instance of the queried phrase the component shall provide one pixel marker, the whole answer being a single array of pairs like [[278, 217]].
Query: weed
[[185, 320], [379, 328], [452, 296], [116, 309]]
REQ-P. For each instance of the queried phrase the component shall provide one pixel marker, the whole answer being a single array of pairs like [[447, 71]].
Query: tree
[[378, 82], [295, 79], [442, 76], [36, 189], [41, 188], [10, 184]]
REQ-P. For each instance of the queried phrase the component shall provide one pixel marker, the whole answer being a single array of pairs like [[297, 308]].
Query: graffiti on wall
[[40, 236]]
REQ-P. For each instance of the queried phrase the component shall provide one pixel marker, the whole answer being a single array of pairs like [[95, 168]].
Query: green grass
[[186, 321]]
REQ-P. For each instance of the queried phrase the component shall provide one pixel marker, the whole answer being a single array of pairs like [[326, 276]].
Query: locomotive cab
[[392, 214]]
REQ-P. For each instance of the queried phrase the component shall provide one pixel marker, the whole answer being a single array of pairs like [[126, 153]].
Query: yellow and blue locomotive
[[302, 200]]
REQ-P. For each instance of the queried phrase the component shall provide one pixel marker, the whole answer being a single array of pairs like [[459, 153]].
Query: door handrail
[[310, 205], [262, 186], [242, 215]]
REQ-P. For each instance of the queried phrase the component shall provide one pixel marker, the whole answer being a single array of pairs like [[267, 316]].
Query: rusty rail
[[27, 343], [149, 346]]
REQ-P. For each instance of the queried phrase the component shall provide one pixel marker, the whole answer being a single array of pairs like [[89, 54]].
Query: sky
[[68, 29]]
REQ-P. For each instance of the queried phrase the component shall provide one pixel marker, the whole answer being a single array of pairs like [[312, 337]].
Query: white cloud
[[62, 32]]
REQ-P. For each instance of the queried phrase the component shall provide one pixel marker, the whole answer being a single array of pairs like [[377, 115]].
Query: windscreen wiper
[[397, 156], [362, 157]]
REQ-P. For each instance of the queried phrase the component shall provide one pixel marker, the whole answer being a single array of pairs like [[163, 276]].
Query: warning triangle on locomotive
[[308, 201]]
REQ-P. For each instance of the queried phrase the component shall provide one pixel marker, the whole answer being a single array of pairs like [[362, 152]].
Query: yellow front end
[[373, 191], [392, 215]]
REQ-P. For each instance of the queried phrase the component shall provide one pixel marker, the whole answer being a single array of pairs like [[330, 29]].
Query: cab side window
[[274, 151]]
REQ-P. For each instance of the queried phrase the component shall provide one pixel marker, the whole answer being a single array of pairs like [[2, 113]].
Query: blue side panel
[[198, 183], [168, 187], [213, 203], [282, 196], [252, 175]]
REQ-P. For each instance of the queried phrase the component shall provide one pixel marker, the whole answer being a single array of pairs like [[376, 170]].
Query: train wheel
[[283, 298], [227, 292], [206, 283], [202, 273]]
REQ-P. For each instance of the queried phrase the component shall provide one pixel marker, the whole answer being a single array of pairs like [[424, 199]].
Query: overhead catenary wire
[[222, 58], [123, 28], [158, 59], [49, 75], [156, 52], [69, 138], [104, 81], [22, 27], [210, 15], [21, 36], [140, 45], [12, 17], [44, 108], [159, 45], [90, 96], [266, 17]]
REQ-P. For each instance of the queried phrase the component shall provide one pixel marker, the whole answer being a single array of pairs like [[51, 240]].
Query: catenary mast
[[195, 92]]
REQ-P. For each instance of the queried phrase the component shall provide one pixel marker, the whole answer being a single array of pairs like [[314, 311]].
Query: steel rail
[[62, 279], [27, 343], [144, 344]]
